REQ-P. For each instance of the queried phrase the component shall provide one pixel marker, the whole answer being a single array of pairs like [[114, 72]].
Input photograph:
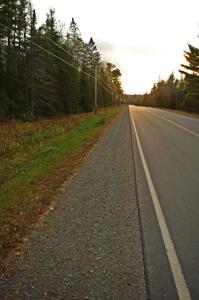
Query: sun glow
[[146, 39]]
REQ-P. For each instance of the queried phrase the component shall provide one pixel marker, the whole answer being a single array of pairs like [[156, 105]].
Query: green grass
[[36, 158]]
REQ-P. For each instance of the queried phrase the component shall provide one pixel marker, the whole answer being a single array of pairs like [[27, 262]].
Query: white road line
[[178, 276], [174, 123], [177, 114]]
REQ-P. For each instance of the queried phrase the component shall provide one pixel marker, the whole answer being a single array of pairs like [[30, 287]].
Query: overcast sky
[[144, 38]]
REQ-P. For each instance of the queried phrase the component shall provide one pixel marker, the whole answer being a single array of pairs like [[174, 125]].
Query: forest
[[173, 93], [45, 71]]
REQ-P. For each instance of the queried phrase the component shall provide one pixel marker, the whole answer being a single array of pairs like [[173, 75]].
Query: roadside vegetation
[[173, 93], [36, 158], [47, 70], [49, 79]]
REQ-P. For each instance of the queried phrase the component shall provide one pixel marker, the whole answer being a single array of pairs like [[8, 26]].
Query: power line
[[46, 37], [111, 92], [105, 87], [50, 53], [102, 84], [66, 62], [61, 59]]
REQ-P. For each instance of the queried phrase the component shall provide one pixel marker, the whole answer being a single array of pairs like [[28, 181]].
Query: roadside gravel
[[88, 246]]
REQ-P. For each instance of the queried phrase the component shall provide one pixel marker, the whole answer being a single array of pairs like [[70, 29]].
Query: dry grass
[[36, 158]]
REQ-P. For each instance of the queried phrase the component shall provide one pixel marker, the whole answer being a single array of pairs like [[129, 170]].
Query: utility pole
[[95, 104]]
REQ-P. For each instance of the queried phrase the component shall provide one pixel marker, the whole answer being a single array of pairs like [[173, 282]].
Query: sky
[[145, 39]]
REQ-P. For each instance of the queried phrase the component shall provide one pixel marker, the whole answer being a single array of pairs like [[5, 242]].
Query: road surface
[[126, 225], [170, 144]]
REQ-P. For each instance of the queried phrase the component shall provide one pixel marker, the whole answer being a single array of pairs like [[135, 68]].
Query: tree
[[90, 60], [166, 93], [191, 77], [44, 72], [50, 103], [31, 61], [13, 15], [75, 43]]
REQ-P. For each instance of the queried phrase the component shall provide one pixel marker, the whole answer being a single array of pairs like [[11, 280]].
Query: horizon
[[145, 49]]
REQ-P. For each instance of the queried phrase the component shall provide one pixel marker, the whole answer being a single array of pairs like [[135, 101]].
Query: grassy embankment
[[35, 159]]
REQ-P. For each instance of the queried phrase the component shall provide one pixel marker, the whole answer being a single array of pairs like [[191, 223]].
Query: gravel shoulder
[[89, 245]]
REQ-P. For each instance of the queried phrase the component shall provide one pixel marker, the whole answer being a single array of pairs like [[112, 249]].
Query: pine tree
[[75, 46], [86, 88], [90, 60], [192, 78], [75, 43], [33, 79], [106, 91], [8, 57], [93, 54], [13, 15], [31, 61], [44, 71]]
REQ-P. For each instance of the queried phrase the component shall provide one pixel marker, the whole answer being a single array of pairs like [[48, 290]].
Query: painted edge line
[[181, 115], [181, 286], [174, 123], [148, 297]]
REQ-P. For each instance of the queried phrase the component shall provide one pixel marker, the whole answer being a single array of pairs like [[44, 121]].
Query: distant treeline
[[175, 93], [45, 72]]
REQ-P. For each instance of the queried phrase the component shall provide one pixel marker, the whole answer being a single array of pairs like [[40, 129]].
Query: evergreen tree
[[86, 83], [106, 91], [93, 55], [90, 60], [13, 38], [31, 61], [191, 76], [34, 78], [75, 47], [75, 43], [50, 97]]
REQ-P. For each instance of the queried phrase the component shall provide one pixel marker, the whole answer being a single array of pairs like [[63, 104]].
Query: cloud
[[139, 50], [104, 46], [107, 47]]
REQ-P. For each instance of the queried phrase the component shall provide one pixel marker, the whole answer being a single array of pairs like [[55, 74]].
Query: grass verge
[[36, 159]]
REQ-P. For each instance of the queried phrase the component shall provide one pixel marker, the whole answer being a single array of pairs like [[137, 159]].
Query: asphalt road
[[170, 143], [102, 238]]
